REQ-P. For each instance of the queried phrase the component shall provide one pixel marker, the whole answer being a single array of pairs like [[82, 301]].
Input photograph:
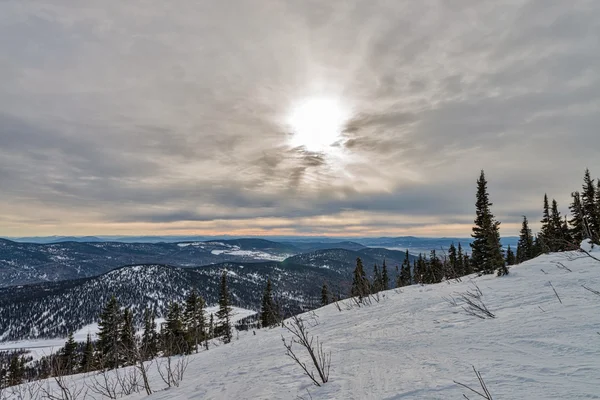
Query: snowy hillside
[[414, 343]]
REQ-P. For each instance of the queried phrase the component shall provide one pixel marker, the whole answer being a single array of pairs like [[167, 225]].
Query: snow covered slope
[[414, 343]]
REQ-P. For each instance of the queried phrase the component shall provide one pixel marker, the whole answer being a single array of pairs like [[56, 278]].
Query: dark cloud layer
[[137, 117]]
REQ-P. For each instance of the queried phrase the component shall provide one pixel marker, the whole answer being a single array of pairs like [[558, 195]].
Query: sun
[[316, 123]]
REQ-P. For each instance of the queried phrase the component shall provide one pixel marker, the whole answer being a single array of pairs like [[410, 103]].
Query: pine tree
[[486, 248], [376, 286], [68, 354], [360, 283], [16, 370], [174, 335], [324, 295], [578, 230], [87, 358], [545, 234], [435, 269], [194, 320], [468, 267], [108, 334], [224, 313], [510, 256], [596, 236], [385, 279], [556, 241], [267, 313], [525, 244], [588, 203], [453, 268], [149, 346], [127, 344], [460, 261]]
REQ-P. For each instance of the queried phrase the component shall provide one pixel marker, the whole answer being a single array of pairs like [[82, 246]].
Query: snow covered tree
[[16, 370], [149, 345], [525, 244], [360, 283], [486, 248], [108, 334], [194, 320], [268, 315], [224, 328]]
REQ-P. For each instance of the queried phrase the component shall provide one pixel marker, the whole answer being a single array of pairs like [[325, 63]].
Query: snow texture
[[414, 343]]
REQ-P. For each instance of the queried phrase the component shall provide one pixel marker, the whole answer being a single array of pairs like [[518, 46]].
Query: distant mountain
[[53, 309], [23, 263], [312, 246], [417, 245], [344, 261]]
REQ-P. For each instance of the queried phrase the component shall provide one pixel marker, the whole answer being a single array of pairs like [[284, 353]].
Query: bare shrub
[[170, 371], [321, 360], [473, 303], [486, 393], [68, 389]]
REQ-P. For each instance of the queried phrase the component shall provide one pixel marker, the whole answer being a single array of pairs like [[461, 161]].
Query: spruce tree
[[578, 230], [16, 370], [127, 342], [588, 203], [460, 261], [376, 286], [194, 320], [108, 334], [435, 271], [324, 295], [360, 283], [545, 234], [468, 267], [486, 248], [224, 329], [149, 345], [596, 235], [556, 241], [385, 279], [174, 335], [525, 244], [510, 256], [453, 268], [87, 358], [68, 354], [267, 313]]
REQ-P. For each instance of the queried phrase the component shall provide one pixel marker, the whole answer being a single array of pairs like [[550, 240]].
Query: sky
[[153, 117]]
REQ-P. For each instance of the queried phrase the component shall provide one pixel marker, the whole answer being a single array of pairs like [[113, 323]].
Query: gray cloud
[[122, 114]]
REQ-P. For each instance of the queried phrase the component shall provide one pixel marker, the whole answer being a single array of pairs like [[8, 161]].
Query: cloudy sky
[[155, 117]]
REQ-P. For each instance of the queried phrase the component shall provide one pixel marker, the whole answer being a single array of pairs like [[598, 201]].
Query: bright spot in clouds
[[317, 123]]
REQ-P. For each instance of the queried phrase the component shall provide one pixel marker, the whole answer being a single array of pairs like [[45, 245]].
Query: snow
[[413, 344], [588, 246]]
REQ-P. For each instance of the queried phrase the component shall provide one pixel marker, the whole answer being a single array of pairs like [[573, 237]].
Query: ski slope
[[414, 343]]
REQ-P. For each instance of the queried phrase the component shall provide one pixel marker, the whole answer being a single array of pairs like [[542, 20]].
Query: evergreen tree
[[16, 370], [525, 244], [268, 316], [174, 335], [468, 267], [510, 256], [385, 279], [460, 262], [87, 358], [360, 283], [435, 269], [452, 272], [127, 342], [108, 334], [376, 286], [537, 248], [486, 248], [324, 295], [68, 355], [149, 345], [578, 230], [556, 241], [588, 203], [224, 313], [420, 270], [194, 320], [545, 234], [211, 326]]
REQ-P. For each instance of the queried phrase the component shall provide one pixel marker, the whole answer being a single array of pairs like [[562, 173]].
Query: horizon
[[336, 119]]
